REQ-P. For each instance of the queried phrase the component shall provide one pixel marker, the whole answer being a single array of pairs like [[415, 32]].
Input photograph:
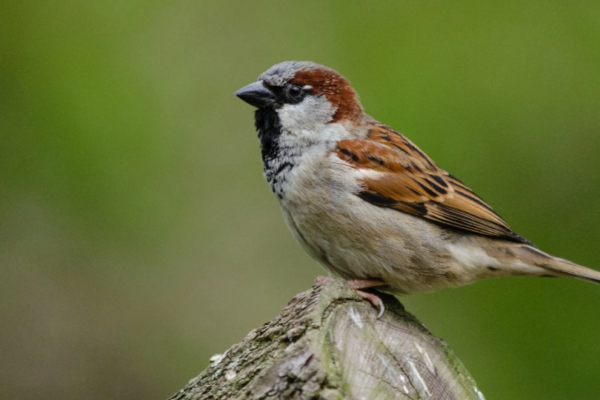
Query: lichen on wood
[[328, 344]]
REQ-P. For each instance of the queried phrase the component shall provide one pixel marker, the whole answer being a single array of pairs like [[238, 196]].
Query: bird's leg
[[358, 284]]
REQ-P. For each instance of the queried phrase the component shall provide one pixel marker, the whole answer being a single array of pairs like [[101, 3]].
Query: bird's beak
[[256, 94]]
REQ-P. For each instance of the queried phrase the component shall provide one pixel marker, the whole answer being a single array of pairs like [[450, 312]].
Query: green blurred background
[[138, 238]]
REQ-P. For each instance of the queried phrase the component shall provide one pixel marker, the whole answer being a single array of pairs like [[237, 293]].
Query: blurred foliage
[[137, 237]]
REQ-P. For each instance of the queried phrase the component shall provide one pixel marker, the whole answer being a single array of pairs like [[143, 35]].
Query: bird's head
[[305, 96]]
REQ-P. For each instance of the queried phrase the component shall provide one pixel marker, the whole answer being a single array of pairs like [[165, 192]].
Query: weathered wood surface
[[328, 344]]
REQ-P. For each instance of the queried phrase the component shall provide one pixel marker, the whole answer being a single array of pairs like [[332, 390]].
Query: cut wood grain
[[328, 344]]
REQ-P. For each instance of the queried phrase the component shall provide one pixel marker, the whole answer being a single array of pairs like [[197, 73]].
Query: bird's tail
[[554, 265]]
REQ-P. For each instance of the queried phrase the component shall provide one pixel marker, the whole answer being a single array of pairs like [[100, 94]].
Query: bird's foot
[[358, 284], [373, 299]]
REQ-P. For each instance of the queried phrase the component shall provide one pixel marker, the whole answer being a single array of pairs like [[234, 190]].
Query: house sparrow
[[367, 203]]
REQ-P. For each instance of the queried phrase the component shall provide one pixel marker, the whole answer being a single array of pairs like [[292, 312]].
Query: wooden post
[[328, 344]]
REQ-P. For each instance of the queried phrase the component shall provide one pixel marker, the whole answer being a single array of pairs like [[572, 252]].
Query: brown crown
[[336, 88]]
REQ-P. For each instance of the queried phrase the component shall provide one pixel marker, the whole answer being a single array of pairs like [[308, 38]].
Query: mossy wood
[[328, 344]]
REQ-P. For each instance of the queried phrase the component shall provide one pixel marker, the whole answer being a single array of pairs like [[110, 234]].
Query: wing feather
[[409, 181]]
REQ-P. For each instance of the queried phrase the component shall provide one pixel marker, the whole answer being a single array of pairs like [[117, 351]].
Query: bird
[[368, 204]]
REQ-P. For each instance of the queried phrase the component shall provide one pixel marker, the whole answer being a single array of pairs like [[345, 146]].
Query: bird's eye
[[294, 91]]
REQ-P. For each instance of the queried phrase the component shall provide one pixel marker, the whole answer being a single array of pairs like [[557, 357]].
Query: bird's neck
[[282, 147]]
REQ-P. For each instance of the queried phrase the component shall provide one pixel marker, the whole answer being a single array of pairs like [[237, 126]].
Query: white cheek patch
[[309, 115]]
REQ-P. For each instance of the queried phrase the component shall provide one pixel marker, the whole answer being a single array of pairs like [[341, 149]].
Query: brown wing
[[397, 174]]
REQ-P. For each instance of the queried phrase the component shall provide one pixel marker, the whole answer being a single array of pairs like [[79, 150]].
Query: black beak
[[256, 94]]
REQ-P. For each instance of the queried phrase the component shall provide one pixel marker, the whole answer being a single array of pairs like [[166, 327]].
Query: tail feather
[[557, 265]]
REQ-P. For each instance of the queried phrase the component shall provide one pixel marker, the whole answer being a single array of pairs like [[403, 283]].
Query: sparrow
[[367, 203]]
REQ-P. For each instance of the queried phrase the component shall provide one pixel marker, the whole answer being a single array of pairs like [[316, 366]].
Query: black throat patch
[[278, 161], [268, 127]]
